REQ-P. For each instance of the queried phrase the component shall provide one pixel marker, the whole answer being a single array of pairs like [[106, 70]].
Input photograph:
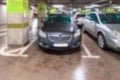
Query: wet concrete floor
[[90, 63]]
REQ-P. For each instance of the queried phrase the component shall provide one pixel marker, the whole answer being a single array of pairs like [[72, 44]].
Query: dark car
[[59, 33]]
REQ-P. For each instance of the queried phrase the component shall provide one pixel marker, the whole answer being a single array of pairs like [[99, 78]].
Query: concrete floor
[[30, 63]]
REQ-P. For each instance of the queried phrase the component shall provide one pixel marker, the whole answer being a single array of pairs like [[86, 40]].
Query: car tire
[[42, 48], [78, 48], [101, 41]]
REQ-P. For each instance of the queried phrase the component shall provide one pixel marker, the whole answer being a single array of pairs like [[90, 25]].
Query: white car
[[78, 19], [105, 27]]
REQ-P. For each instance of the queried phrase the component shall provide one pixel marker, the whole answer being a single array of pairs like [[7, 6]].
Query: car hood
[[113, 27], [58, 28]]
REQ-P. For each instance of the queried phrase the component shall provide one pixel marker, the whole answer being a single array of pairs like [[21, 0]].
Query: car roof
[[102, 12], [59, 14]]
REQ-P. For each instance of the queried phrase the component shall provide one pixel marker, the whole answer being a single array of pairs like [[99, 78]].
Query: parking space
[[30, 62], [59, 39]]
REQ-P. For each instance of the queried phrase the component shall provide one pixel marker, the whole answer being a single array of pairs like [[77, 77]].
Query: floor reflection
[[80, 73]]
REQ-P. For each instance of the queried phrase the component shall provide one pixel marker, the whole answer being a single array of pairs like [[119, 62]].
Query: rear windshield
[[110, 18], [63, 19]]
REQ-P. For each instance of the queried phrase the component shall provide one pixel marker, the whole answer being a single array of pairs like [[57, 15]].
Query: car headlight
[[116, 34], [42, 34], [77, 33]]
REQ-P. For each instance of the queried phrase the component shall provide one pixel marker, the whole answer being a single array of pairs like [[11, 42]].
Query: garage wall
[[3, 14]]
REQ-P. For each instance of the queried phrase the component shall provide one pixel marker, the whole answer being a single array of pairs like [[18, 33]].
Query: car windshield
[[110, 18], [62, 19]]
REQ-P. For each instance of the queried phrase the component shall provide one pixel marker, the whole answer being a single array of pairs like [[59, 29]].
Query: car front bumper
[[114, 44], [46, 43]]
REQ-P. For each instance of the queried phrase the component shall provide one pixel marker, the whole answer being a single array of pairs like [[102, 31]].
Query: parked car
[[79, 19], [59, 33], [105, 27]]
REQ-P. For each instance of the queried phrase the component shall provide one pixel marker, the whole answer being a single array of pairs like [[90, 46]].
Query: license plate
[[60, 45]]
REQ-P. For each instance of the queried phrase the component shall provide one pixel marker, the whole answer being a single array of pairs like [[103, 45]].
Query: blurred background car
[[79, 19], [105, 27], [59, 33]]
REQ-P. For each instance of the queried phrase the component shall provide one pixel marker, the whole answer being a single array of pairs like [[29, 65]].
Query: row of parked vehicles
[[61, 32]]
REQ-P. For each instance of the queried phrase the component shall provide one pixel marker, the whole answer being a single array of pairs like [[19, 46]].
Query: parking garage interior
[[21, 58]]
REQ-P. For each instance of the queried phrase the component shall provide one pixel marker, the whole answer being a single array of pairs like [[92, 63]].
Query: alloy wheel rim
[[101, 41]]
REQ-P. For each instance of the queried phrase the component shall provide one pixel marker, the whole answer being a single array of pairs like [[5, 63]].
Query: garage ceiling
[[67, 2], [77, 1]]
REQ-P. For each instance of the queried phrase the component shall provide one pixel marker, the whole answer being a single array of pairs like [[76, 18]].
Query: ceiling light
[[91, 6], [58, 6]]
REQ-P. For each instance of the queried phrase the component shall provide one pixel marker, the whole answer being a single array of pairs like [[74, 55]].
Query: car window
[[64, 19], [88, 17], [94, 18], [110, 18]]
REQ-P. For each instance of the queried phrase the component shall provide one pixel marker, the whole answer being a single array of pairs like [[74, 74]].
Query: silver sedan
[[105, 27]]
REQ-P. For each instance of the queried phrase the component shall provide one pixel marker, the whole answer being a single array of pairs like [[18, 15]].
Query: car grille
[[60, 38]]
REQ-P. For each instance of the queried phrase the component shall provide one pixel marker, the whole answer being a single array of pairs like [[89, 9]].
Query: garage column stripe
[[23, 25]]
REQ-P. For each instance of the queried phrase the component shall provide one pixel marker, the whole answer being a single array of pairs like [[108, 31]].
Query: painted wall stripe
[[24, 25]]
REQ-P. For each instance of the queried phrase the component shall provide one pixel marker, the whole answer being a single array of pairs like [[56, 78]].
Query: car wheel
[[42, 48], [101, 41], [78, 48]]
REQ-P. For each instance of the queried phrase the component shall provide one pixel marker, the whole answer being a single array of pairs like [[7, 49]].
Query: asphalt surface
[[31, 63]]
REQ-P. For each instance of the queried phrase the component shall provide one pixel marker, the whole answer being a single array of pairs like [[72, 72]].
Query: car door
[[87, 23], [94, 22]]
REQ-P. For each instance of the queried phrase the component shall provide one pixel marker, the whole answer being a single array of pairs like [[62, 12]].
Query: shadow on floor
[[61, 52]]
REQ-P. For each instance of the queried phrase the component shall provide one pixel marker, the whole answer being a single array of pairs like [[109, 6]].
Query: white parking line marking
[[3, 30], [86, 50], [94, 57], [2, 34], [11, 52], [24, 49], [89, 55], [15, 50]]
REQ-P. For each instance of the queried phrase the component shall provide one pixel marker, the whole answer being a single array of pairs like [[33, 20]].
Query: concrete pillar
[[42, 12], [2, 14], [17, 22]]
